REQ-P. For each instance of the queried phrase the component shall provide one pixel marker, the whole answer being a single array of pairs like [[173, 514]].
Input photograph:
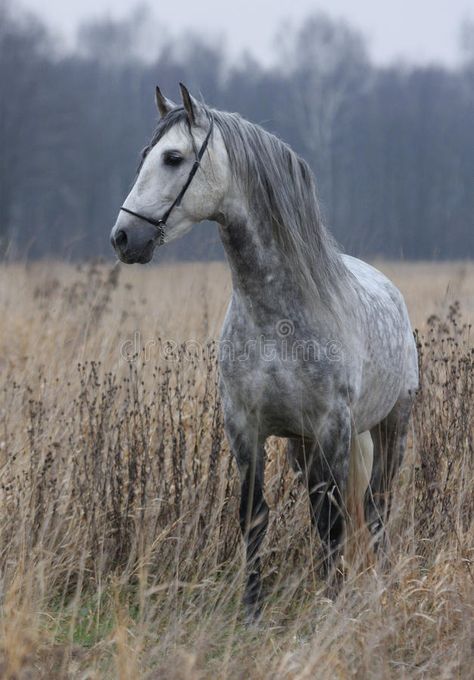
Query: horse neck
[[261, 274]]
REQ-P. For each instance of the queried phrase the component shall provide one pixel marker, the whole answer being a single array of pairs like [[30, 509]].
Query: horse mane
[[281, 190]]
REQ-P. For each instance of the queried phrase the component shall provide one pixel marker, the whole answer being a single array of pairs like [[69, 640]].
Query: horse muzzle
[[134, 243]]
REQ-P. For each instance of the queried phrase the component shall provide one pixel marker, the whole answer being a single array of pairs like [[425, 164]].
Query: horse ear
[[163, 104], [195, 110]]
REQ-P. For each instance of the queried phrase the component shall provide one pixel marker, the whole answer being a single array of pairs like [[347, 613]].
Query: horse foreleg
[[248, 450], [324, 463], [327, 490]]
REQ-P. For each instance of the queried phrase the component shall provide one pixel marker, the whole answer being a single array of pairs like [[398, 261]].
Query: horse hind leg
[[390, 439], [357, 549]]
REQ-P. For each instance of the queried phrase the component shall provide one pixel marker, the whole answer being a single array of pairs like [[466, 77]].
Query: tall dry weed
[[120, 552]]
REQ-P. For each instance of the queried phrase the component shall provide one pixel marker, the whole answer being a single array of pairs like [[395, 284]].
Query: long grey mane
[[281, 191]]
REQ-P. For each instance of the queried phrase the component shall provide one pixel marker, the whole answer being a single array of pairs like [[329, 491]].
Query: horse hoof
[[253, 612], [253, 617]]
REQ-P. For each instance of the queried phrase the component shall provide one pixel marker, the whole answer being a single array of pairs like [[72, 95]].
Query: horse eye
[[172, 158]]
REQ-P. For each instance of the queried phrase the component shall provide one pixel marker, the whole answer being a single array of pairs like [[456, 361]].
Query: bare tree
[[23, 48], [136, 37], [327, 66], [466, 41], [393, 147]]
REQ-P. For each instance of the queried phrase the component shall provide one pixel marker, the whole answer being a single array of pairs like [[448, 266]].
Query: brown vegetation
[[120, 551]]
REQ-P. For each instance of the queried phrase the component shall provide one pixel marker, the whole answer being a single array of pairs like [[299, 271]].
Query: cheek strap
[[160, 223]]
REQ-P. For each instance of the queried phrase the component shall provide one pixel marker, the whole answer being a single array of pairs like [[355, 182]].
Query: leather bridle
[[160, 224]]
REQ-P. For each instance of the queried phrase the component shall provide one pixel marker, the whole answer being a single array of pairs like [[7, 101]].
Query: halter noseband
[[161, 223]]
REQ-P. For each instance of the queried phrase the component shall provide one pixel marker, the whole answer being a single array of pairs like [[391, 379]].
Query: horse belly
[[386, 350], [389, 371], [376, 400]]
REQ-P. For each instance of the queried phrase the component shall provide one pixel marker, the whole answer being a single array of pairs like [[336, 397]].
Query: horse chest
[[276, 378]]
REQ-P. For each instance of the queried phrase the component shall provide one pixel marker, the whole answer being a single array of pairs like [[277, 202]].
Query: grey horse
[[316, 346]]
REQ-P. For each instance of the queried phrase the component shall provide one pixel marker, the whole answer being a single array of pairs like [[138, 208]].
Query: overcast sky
[[412, 30]]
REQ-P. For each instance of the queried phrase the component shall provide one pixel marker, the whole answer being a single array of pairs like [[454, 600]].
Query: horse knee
[[327, 482]]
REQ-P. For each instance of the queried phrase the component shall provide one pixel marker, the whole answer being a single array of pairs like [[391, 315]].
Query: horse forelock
[[177, 116]]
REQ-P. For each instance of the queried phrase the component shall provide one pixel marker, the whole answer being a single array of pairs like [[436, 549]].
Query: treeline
[[392, 148]]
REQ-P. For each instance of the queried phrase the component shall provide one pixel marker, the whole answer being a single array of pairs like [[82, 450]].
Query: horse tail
[[358, 553]]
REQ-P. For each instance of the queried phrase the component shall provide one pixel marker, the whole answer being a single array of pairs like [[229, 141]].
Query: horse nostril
[[121, 239]]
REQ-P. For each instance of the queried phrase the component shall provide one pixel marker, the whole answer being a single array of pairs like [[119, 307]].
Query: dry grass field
[[120, 553]]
